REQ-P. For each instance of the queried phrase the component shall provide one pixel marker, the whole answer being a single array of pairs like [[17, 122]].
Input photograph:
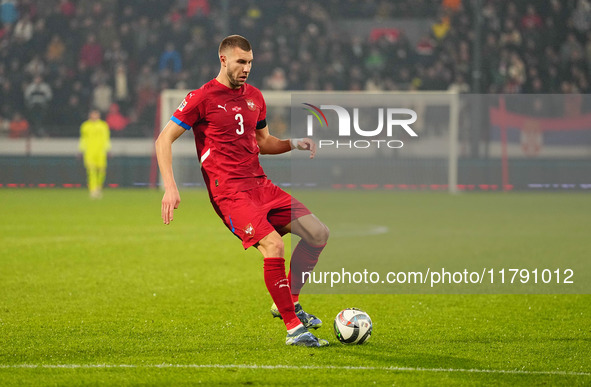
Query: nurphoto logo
[[395, 118]]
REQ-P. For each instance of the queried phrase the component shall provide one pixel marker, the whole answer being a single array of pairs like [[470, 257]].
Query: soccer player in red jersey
[[228, 118]]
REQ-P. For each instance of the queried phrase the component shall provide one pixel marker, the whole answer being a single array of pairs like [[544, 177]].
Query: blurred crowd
[[59, 58]]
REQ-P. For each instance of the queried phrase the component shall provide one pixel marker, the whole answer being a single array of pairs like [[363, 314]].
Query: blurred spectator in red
[[532, 19], [67, 8], [91, 53], [452, 5], [115, 119], [19, 126], [197, 8], [175, 16]]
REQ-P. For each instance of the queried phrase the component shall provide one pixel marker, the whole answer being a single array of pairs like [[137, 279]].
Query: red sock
[[278, 286], [303, 260]]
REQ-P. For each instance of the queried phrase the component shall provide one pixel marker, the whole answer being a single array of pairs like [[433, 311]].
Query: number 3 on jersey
[[238, 117]]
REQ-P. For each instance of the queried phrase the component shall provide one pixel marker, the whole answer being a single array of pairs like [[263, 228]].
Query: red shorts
[[253, 214]]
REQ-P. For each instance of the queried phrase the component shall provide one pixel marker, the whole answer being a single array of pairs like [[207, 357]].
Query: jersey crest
[[250, 104], [249, 230]]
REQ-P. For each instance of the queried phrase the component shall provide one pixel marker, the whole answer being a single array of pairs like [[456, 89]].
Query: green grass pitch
[[102, 293]]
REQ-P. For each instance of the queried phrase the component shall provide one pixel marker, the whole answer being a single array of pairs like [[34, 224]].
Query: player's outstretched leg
[[276, 281], [304, 258], [303, 261], [278, 287]]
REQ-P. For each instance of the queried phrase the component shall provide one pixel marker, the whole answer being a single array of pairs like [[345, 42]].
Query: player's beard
[[234, 81]]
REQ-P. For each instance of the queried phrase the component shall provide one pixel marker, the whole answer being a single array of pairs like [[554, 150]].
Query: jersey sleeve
[[190, 111]]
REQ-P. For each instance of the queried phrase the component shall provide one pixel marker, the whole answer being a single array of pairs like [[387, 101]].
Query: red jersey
[[224, 123]]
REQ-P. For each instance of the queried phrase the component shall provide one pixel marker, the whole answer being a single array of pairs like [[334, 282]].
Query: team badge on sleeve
[[182, 105], [250, 104]]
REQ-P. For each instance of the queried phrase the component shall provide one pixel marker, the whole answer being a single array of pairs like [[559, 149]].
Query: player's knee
[[273, 246], [320, 235], [277, 249]]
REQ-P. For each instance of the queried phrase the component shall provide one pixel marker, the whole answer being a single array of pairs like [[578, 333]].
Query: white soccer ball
[[352, 326]]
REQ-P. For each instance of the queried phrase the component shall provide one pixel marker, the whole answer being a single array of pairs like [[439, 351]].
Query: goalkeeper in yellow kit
[[94, 144]]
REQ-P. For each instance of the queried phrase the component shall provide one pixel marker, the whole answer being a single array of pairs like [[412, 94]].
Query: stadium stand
[[66, 56]]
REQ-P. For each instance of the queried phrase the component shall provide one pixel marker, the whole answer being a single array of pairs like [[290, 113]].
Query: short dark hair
[[235, 41]]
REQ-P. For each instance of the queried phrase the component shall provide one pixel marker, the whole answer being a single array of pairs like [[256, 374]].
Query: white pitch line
[[294, 367], [357, 230]]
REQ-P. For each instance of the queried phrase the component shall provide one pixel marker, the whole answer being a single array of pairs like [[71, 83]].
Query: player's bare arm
[[171, 198], [271, 145]]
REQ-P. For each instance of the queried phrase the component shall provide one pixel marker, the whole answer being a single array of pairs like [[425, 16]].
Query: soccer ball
[[352, 326]]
